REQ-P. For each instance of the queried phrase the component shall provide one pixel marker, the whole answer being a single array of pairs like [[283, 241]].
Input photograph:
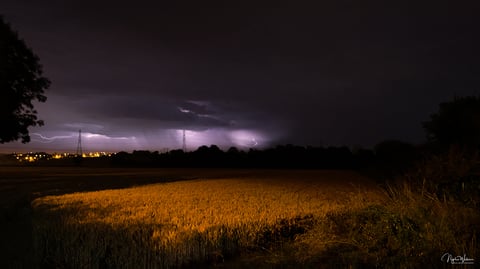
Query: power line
[[79, 144], [184, 147]]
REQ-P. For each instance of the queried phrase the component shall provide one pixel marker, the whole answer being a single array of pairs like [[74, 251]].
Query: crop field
[[174, 224], [20, 185], [78, 217]]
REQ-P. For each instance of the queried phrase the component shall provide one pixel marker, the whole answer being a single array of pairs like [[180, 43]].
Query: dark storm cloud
[[153, 111], [334, 72]]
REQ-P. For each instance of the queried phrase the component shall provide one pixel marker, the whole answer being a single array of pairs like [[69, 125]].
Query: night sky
[[133, 75]]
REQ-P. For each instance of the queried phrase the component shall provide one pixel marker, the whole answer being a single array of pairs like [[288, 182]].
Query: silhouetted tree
[[233, 151], [456, 122], [21, 82], [363, 158], [395, 157], [281, 156], [121, 158], [394, 150], [208, 156]]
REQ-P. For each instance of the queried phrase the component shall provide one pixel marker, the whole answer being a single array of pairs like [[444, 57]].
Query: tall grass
[[408, 230]]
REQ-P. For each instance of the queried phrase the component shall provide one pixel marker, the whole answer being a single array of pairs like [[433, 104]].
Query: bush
[[452, 175], [409, 230]]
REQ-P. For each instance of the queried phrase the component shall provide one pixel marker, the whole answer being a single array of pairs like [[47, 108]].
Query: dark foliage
[[394, 158], [456, 122], [287, 156], [21, 83], [451, 175], [279, 157], [377, 237]]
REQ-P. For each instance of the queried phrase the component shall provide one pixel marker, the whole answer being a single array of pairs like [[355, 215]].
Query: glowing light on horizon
[[247, 138], [223, 138], [194, 139]]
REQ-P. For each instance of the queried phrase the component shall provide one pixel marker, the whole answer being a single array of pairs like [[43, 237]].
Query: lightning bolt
[[47, 140]]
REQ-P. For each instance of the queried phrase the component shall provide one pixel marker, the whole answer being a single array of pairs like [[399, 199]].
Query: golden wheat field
[[179, 223], [309, 219]]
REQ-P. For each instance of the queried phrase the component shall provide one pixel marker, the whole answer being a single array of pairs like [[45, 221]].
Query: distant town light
[[36, 156]]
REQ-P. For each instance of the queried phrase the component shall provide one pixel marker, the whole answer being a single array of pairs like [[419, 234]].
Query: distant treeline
[[394, 155]]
